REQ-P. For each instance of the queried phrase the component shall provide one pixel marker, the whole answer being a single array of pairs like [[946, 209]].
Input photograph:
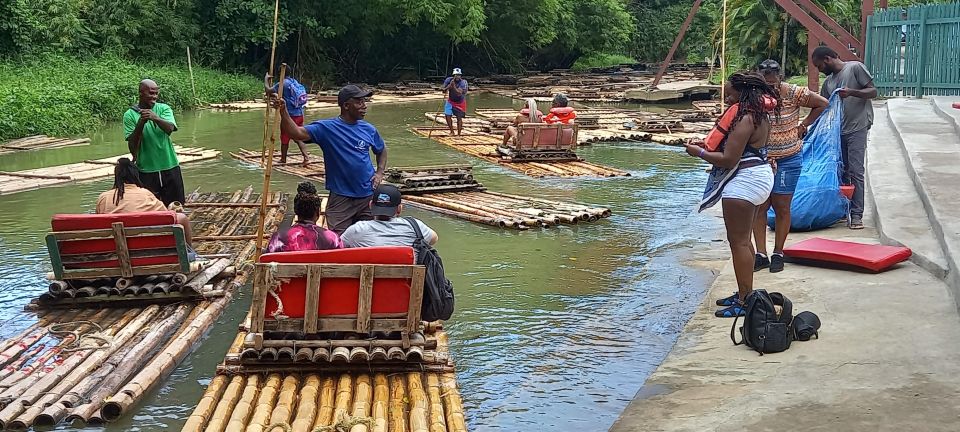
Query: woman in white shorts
[[741, 177]]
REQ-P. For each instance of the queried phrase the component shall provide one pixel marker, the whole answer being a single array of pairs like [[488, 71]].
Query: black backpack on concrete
[[437, 289], [764, 329]]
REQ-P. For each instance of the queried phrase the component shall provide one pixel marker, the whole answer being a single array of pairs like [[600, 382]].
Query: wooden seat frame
[[536, 129], [122, 253], [363, 321]]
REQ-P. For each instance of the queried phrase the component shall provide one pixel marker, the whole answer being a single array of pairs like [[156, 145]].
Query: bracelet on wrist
[[702, 152]]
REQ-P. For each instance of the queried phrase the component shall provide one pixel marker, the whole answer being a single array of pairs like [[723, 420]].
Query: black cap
[[351, 91], [385, 200], [769, 65]]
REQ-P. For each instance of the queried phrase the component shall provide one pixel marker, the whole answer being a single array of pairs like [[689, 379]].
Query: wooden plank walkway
[[20, 181]]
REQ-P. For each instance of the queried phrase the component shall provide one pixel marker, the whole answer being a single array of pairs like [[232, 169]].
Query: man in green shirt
[[147, 127]]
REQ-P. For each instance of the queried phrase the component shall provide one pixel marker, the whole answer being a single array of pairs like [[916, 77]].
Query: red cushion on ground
[[339, 296], [81, 222], [872, 257]]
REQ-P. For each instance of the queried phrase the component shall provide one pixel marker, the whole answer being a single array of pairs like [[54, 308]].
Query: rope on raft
[[343, 424], [81, 340]]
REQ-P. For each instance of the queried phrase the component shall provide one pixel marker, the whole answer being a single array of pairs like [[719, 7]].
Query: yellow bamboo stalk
[[362, 402], [268, 169], [283, 412], [228, 402], [273, 50], [268, 397], [241, 413], [398, 404], [327, 394], [437, 422], [418, 403], [341, 406], [723, 54], [307, 408], [456, 421], [381, 399], [207, 405]]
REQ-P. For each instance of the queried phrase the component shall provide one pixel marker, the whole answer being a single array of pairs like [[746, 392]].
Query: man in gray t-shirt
[[387, 228], [854, 84]]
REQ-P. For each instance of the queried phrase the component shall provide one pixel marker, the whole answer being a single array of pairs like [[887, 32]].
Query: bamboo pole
[[196, 284], [267, 170], [18, 339], [307, 407], [456, 421], [273, 50], [398, 409], [328, 391], [723, 55], [231, 396], [381, 400], [243, 410], [207, 405], [192, 84], [437, 421], [341, 405], [418, 403], [283, 411], [362, 402], [268, 397]]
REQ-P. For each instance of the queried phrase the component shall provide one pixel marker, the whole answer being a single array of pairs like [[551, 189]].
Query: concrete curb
[[949, 252], [941, 105]]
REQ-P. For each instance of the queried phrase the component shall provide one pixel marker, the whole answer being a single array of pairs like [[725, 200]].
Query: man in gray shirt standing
[[855, 86], [386, 228]]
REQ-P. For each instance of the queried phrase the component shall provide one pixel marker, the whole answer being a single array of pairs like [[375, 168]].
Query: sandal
[[736, 310], [729, 301]]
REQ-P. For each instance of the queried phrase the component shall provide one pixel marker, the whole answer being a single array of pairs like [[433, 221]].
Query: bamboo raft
[[100, 362], [318, 103], [296, 397], [20, 181], [484, 145], [451, 190], [293, 166], [40, 142]]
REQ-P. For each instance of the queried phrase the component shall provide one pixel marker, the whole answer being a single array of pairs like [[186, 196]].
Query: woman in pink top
[[305, 234]]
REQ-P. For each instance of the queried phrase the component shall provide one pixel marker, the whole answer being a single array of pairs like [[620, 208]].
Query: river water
[[555, 329]]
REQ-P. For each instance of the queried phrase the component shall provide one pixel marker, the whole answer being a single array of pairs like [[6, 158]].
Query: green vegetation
[[600, 60], [62, 96]]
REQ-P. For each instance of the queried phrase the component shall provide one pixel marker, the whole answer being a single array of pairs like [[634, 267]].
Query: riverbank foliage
[[62, 96]]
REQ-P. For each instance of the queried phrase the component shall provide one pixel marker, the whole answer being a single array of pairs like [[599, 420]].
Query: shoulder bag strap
[[416, 227]]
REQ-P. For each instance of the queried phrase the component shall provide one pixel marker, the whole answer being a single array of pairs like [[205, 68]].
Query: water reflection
[[555, 329]]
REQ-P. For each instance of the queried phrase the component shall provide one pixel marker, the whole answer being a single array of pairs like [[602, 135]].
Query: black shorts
[[167, 185], [343, 211]]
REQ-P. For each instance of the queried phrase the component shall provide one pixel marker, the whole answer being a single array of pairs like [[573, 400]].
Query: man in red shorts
[[295, 97]]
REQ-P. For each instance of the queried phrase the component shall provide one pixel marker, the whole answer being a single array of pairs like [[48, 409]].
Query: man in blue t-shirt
[[456, 106], [346, 142], [295, 97]]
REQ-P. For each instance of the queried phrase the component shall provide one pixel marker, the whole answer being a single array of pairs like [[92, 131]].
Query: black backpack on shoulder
[[437, 289], [765, 330]]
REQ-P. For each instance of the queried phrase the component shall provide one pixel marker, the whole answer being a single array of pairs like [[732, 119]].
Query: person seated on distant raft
[[560, 112], [524, 117], [305, 234], [130, 196], [387, 228]]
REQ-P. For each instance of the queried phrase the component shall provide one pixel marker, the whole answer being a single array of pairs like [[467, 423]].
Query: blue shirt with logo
[[462, 85], [346, 154], [290, 96]]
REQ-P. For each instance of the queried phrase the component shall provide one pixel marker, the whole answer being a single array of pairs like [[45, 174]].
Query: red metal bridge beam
[[815, 29], [676, 42], [831, 24]]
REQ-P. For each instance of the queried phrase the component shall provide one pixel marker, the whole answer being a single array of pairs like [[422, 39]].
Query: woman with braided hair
[[741, 177], [305, 234], [130, 196]]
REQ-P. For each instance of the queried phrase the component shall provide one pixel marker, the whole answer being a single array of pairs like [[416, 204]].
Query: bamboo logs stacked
[[430, 179], [508, 211], [40, 142], [371, 401]]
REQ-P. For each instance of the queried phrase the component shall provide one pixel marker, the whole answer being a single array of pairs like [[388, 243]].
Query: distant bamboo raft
[[507, 211], [102, 361], [40, 142], [293, 166], [19, 181], [483, 145], [414, 398], [379, 97]]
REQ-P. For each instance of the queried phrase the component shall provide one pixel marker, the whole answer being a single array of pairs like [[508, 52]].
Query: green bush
[[61, 96], [601, 60]]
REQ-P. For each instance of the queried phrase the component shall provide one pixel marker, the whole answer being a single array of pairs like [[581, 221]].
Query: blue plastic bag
[[817, 202]]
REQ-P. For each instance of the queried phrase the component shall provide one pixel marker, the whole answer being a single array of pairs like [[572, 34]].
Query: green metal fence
[[915, 52]]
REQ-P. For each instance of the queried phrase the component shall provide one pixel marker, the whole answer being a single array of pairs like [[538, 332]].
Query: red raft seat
[[872, 257], [339, 296], [122, 244]]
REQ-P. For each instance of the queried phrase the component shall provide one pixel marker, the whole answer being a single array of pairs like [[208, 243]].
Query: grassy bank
[[62, 96]]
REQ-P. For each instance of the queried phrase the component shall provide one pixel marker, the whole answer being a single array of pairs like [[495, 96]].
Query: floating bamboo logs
[[197, 282], [493, 208], [208, 404], [241, 413], [307, 407]]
